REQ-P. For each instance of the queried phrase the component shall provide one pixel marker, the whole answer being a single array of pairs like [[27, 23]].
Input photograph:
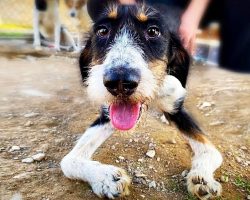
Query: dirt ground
[[43, 108]]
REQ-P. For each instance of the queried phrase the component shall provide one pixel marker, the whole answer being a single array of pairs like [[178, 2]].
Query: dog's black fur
[[169, 45]]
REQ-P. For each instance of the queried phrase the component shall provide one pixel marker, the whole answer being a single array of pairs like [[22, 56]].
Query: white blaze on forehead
[[125, 51]]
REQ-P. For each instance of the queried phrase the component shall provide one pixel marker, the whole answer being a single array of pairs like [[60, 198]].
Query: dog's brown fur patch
[[112, 11], [142, 17]]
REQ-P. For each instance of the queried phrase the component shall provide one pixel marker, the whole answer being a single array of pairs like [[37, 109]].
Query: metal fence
[[17, 16]]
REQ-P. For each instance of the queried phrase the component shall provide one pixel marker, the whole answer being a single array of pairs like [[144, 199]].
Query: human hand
[[187, 31]]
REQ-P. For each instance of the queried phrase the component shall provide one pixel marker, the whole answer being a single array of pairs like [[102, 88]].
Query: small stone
[[142, 196], [216, 123], [243, 148], [184, 173], [32, 114], [152, 184], [15, 148], [113, 147], [39, 156], [238, 159], [27, 160], [140, 175], [121, 158], [164, 120], [158, 159], [140, 160], [224, 179], [151, 153], [205, 105], [172, 141], [28, 124], [248, 197]]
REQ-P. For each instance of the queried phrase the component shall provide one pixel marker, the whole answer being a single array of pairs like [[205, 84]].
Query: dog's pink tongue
[[124, 115]]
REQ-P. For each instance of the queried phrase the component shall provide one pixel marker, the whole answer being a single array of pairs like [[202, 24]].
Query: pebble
[[32, 114], [150, 153], [248, 197], [164, 120], [39, 156], [224, 179], [140, 175], [184, 173], [158, 159], [28, 124], [238, 159], [15, 148], [205, 105], [27, 160], [172, 141], [142, 196], [243, 148], [216, 123], [152, 184], [121, 158]]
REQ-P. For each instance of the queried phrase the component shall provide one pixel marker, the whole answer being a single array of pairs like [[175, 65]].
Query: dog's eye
[[153, 32], [102, 31]]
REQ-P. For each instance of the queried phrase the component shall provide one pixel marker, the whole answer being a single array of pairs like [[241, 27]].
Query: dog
[[47, 25], [134, 58], [78, 14]]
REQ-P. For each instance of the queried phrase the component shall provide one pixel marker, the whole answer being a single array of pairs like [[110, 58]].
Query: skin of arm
[[190, 22]]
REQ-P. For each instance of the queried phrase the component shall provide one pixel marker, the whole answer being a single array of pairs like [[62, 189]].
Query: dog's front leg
[[207, 158], [105, 180]]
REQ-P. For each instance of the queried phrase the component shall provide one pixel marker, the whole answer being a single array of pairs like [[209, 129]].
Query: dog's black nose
[[72, 14], [121, 81]]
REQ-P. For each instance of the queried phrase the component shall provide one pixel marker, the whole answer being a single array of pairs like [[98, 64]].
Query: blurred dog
[[80, 18], [47, 26], [134, 58]]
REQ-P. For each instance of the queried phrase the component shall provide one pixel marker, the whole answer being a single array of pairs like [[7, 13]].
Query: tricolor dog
[[47, 25], [133, 58]]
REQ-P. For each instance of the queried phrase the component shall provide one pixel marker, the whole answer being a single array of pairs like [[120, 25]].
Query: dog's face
[[75, 7], [125, 60]]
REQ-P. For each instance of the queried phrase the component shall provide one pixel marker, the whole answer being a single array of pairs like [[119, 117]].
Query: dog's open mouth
[[124, 115]]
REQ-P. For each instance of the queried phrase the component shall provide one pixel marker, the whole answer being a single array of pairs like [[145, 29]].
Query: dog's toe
[[203, 186], [112, 182]]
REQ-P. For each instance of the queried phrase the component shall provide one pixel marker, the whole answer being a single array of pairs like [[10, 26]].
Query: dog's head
[[75, 7], [129, 52]]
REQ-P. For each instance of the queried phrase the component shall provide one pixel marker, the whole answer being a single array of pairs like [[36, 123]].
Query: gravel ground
[[44, 110]]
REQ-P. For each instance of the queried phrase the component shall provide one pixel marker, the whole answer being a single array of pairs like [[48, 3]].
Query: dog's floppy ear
[[97, 7], [178, 60], [85, 60]]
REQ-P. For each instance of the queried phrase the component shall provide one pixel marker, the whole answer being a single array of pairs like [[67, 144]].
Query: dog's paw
[[203, 186], [37, 46], [110, 182]]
